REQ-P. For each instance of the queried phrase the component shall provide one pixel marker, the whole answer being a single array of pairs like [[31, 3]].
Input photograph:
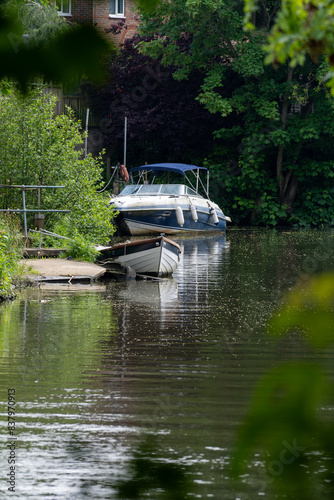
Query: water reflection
[[162, 296], [169, 300], [95, 367]]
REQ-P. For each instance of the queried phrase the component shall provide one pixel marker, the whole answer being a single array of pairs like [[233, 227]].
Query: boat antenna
[[86, 136], [125, 132]]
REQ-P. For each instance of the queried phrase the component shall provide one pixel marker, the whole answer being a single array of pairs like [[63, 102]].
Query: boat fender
[[179, 216], [194, 213], [214, 216], [129, 272], [124, 173]]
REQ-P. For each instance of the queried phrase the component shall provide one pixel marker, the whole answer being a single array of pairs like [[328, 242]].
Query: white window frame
[[118, 13], [61, 12]]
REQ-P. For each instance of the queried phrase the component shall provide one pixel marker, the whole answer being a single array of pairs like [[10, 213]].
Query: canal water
[[95, 369]]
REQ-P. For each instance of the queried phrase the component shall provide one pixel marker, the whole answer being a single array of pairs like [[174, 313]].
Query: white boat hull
[[148, 208], [152, 215], [152, 257]]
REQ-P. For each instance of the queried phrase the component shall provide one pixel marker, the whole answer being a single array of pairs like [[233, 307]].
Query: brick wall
[[96, 12], [82, 11]]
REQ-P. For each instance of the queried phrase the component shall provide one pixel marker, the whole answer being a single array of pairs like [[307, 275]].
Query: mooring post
[[39, 217], [24, 211]]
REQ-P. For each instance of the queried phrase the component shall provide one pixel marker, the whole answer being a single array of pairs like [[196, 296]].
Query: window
[[64, 7], [116, 8]]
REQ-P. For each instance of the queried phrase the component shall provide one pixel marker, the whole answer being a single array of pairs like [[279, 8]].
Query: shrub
[[82, 249]]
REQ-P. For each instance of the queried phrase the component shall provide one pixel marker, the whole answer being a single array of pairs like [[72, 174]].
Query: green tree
[[40, 148], [38, 20], [301, 28], [270, 158]]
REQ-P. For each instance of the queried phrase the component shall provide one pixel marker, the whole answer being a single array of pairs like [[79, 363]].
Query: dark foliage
[[165, 122]]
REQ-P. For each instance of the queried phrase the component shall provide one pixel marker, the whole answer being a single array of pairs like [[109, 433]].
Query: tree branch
[[274, 10]]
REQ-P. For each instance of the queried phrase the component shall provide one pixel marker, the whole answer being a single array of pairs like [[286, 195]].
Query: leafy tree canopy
[[163, 119], [37, 20], [273, 160]]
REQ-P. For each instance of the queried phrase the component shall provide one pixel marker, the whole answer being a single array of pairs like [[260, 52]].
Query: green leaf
[[283, 410], [308, 309]]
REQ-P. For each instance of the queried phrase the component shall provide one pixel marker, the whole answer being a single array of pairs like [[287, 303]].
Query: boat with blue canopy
[[148, 207]]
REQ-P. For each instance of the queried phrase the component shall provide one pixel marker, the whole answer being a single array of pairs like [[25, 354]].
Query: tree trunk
[[287, 183], [289, 193]]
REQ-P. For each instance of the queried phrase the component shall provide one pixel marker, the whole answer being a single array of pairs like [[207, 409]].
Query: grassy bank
[[11, 246], [12, 273]]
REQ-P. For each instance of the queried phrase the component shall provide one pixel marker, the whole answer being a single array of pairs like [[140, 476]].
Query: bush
[[81, 249]]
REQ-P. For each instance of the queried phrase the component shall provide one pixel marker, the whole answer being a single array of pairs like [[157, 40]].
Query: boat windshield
[[173, 189], [158, 189], [150, 189], [192, 192], [130, 189]]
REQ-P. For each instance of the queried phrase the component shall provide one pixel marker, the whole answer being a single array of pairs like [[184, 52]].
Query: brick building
[[102, 14]]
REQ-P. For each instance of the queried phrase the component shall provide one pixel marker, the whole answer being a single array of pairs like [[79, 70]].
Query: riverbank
[[17, 273], [53, 270]]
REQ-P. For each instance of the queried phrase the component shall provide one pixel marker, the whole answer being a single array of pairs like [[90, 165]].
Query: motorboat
[[156, 257], [148, 208]]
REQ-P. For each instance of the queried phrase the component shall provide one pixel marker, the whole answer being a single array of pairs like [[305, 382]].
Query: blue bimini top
[[178, 168]]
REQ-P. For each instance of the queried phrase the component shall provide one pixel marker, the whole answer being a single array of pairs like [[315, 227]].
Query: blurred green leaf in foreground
[[57, 52], [36, 43], [289, 419]]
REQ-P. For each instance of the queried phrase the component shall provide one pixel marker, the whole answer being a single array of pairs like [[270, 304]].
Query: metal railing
[[26, 210]]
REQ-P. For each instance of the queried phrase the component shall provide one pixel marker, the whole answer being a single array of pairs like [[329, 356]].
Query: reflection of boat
[[203, 259], [161, 294], [170, 208], [152, 257], [155, 302]]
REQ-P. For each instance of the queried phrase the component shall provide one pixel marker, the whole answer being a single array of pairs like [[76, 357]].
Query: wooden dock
[[53, 270]]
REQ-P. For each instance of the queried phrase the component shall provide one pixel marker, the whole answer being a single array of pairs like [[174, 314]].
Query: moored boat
[[169, 208], [157, 257]]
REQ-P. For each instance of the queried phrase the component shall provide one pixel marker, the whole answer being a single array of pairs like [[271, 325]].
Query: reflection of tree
[[54, 338], [147, 472]]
